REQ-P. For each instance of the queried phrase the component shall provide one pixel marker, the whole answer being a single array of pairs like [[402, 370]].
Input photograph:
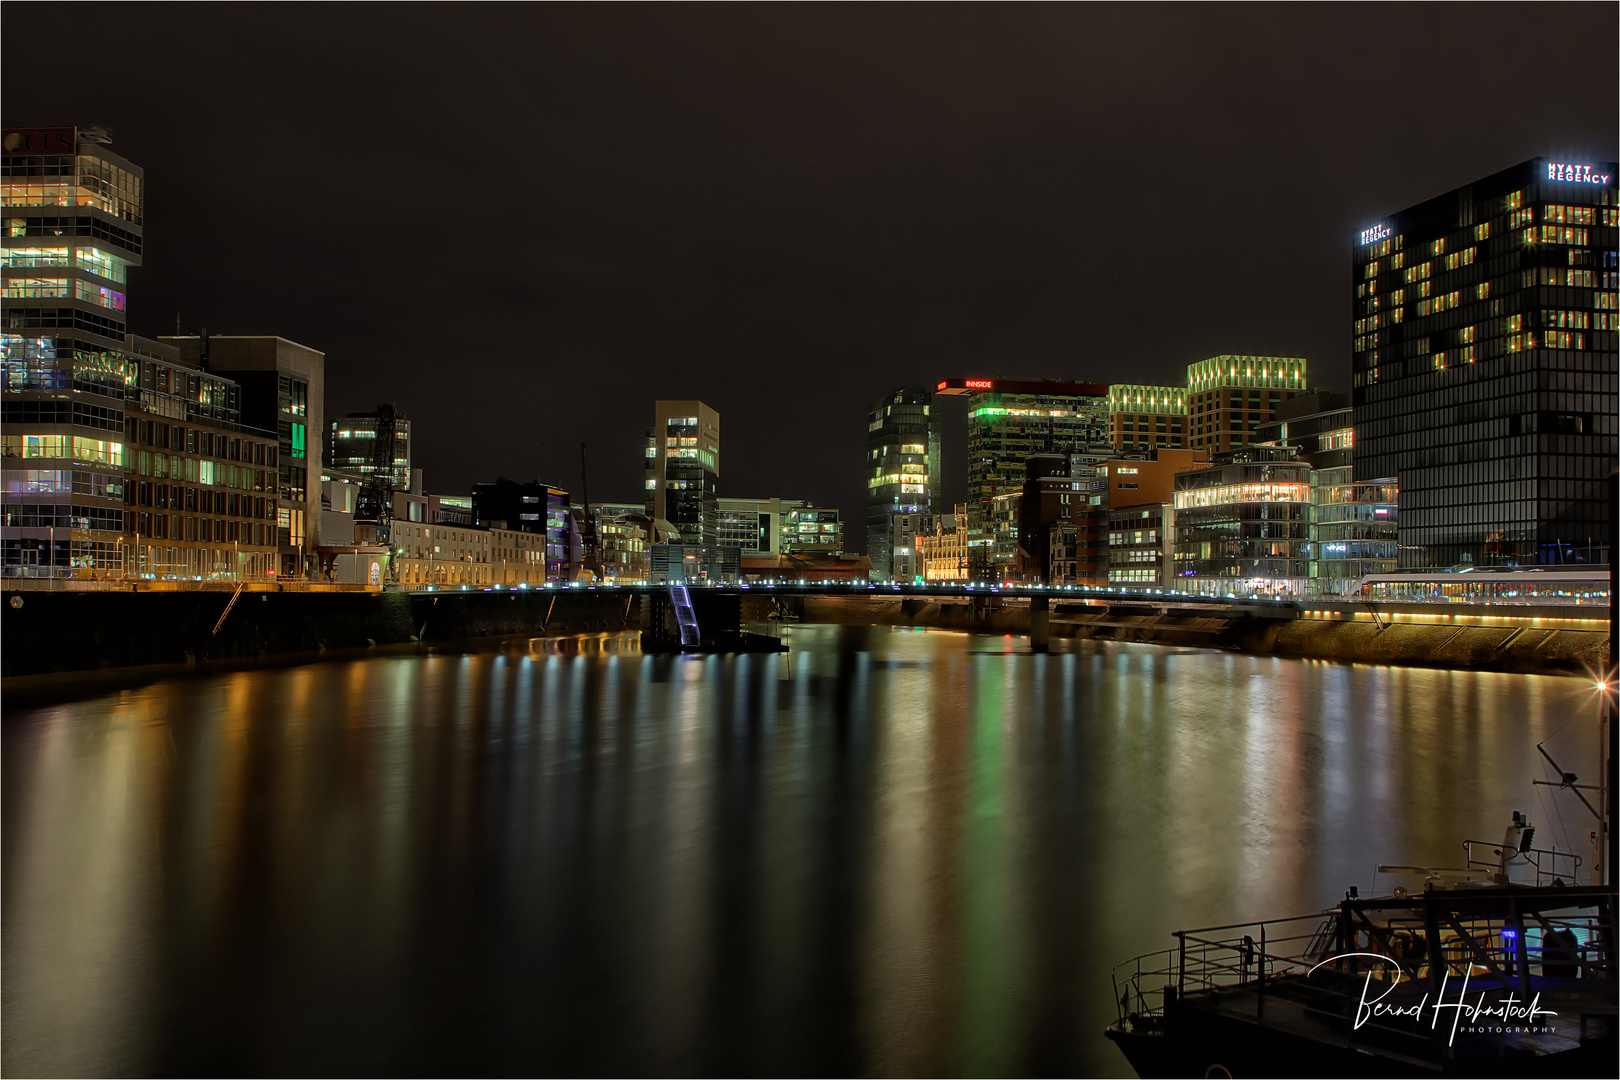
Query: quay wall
[[1525, 650], [56, 632]]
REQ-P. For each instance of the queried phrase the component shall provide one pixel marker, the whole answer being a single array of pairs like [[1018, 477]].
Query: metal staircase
[[690, 634]]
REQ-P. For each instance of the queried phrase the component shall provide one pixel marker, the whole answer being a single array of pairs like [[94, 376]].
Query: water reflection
[[888, 852]]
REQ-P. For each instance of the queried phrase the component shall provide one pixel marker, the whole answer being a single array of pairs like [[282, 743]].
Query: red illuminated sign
[[52, 140], [977, 384], [941, 386]]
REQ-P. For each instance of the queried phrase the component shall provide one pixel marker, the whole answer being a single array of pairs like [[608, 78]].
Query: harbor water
[[887, 852]]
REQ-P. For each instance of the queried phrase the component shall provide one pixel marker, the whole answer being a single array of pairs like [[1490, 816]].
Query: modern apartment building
[[1485, 365], [902, 464]]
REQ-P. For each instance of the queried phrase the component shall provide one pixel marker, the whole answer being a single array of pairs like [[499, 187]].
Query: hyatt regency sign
[[1374, 234], [1580, 174]]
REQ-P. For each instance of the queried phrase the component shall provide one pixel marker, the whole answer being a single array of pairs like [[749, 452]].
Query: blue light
[[1508, 933]]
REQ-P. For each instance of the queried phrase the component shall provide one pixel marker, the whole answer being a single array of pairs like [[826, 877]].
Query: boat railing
[[1560, 939], [1244, 953], [1550, 866]]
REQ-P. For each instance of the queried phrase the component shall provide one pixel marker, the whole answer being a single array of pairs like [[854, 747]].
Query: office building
[[1243, 524], [683, 470], [694, 564], [1229, 398], [1069, 503], [1485, 365], [352, 445], [1008, 420], [283, 389], [542, 509], [902, 464], [73, 211], [754, 525], [811, 530], [1354, 524], [1144, 417], [199, 485], [1140, 516], [1141, 549]]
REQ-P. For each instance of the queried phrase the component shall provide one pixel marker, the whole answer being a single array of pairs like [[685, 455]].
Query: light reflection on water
[[890, 852]]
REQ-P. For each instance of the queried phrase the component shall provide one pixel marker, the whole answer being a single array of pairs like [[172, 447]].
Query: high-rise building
[[1145, 417], [902, 469], [1230, 397], [283, 390], [1009, 420], [73, 230], [1485, 365], [352, 445], [683, 469]]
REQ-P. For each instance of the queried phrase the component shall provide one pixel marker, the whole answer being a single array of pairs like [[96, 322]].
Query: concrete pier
[[1040, 624]]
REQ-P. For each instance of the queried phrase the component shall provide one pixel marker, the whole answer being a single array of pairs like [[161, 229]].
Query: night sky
[[524, 224]]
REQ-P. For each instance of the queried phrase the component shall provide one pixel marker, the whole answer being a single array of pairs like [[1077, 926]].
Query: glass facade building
[[902, 465], [1243, 525], [1485, 366], [1354, 524], [73, 214], [683, 469]]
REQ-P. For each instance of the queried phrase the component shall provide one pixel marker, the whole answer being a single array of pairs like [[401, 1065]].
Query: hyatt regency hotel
[[1485, 366]]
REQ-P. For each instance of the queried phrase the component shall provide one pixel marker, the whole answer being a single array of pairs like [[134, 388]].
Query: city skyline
[[803, 199]]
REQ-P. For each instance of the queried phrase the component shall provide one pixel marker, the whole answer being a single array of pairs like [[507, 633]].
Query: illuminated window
[[36, 257], [1482, 232], [101, 295], [100, 262], [28, 288]]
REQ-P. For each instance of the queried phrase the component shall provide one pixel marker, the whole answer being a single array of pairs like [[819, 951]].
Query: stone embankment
[[55, 632], [1529, 649]]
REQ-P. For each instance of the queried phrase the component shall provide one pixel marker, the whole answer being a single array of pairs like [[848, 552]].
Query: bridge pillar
[[1040, 623]]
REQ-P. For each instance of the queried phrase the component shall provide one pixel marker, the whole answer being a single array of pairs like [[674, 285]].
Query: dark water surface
[[892, 853]]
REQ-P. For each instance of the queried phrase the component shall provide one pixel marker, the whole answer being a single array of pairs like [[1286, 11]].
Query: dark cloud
[[524, 224]]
